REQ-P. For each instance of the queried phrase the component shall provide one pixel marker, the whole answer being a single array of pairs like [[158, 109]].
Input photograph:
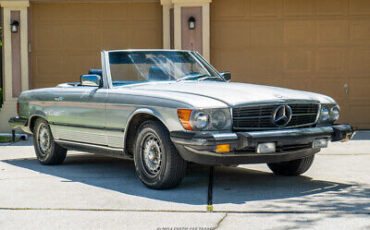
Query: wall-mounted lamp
[[191, 23], [14, 26]]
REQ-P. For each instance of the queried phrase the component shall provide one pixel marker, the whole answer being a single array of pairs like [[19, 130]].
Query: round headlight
[[334, 113], [324, 114], [219, 119], [200, 120]]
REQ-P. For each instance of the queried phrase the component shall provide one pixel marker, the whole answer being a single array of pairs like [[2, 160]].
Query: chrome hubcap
[[152, 154], [44, 139]]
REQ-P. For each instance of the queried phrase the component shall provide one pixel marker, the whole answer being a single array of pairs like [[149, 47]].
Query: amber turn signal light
[[347, 138], [223, 148], [184, 117]]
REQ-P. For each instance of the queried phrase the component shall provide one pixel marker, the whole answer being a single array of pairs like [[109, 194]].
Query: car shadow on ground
[[232, 185], [235, 185]]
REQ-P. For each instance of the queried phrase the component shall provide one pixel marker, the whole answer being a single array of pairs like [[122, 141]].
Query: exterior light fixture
[[14, 26], [191, 23]]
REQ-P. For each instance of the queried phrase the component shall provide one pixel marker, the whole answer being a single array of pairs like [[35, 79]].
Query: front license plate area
[[266, 147]]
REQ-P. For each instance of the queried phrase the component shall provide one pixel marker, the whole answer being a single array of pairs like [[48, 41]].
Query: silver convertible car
[[165, 108]]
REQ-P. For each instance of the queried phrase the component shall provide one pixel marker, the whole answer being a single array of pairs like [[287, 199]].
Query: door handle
[[58, 99]]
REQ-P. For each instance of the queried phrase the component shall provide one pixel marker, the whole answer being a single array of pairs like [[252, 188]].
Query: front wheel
[[47, 151], [292, 168], [157, 162]]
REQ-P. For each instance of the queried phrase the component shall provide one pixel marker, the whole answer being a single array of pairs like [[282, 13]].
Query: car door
[[119, 107], [78, 114]]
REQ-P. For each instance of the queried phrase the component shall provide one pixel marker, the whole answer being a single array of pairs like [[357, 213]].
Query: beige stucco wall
[[64, 48], [9, 107], [318, 46]]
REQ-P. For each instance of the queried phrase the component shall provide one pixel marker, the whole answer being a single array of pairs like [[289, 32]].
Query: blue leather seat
[[157, 74]]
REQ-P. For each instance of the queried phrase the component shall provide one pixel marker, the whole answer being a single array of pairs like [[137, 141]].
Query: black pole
[[210, 190], [13, 135]]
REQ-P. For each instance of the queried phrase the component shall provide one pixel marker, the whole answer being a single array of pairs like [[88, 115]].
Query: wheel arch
[[135, 120], [32, 119]]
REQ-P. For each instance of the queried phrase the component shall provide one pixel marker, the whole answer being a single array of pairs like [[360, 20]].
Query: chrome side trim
[[91, 148], [63, 142], [86, 127]]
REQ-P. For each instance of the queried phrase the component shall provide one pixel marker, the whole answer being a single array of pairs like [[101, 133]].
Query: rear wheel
[[47, 151], [157, 162], [292, 168]]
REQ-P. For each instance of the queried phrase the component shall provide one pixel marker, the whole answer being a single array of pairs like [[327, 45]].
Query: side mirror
[[91, 80], [226, 75]]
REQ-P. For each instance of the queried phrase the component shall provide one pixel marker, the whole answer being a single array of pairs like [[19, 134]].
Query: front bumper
[[291, 144], [19, 123]]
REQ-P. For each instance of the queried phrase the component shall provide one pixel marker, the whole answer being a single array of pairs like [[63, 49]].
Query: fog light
[[320, 143], [223, 148], [266, 148]]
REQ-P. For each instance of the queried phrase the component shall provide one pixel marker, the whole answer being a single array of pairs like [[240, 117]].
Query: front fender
[[168, 117], [148, 111], [32, 119], [38, 113]]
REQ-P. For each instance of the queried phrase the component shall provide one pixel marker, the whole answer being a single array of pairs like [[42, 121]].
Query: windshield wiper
[[195, 76], [207, 77]]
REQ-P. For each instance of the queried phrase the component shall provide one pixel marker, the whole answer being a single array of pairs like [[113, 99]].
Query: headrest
[[157, 74]]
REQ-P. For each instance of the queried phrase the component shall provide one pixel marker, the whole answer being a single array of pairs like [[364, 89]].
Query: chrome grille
[[260, 117]]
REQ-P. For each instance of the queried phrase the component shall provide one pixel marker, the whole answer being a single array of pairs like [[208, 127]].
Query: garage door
[[67, 37], [321, 46]]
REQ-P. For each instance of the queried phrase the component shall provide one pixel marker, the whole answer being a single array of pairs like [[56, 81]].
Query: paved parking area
[[95, 192]]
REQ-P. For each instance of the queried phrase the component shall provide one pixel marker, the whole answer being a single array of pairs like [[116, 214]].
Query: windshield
[[145, 66]]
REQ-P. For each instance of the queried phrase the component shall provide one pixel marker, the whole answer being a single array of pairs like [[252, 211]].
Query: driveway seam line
[[184, 211], [220, 221]]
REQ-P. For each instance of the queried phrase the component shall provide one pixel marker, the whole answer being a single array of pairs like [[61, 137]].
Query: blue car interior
[[157, 74]]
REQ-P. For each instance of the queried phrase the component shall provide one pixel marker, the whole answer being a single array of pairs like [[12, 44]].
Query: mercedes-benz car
[[166, 108]]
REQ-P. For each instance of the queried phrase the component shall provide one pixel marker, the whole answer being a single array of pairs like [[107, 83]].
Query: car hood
[[232, 93]]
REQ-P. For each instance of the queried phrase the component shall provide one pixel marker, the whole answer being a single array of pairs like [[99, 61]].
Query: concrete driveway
[[94, 192]]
